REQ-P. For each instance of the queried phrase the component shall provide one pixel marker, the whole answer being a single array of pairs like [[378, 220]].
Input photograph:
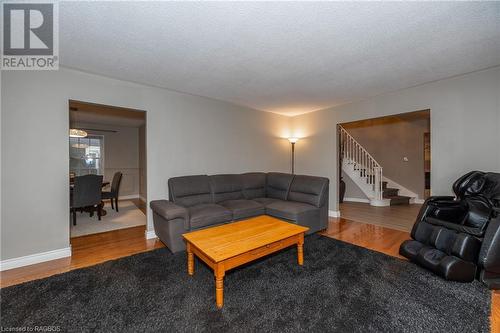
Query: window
[[86, 155]]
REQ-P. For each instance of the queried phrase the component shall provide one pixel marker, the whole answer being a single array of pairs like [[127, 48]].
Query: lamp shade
[[293, 140], [77, 133]]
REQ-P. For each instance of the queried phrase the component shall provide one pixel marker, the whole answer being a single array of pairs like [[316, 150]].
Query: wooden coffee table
[[231, 245]]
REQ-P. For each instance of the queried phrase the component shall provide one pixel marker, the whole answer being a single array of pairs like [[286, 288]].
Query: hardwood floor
[[94, 249], [387, 241], [141, 205], [86, 251], [401, 217], [372, 237]]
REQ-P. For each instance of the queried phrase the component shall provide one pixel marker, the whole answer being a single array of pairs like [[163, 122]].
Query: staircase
[[366, 173], [393, 195]]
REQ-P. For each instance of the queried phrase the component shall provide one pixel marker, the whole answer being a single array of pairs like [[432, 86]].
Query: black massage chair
[[458, 237]]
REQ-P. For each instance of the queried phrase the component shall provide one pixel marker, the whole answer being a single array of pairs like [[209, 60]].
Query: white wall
[[142, 163], [185, 135], [465, 128], [188, 135]]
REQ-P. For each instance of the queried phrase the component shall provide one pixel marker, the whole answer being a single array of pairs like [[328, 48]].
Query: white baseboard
[[143, 199], [334, 213], [35, 258], [418, 201], [357, 200], [128, 197], [150, 234]]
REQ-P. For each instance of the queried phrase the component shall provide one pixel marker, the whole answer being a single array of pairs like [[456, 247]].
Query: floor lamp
[[293, 141]]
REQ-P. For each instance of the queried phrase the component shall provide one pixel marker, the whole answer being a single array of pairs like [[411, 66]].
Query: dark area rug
[[341, 287]]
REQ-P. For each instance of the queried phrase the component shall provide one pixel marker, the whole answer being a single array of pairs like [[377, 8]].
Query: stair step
[[390, 192], [399, 200]]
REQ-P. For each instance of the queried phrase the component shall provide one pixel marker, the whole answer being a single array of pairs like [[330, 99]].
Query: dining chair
[[115, 189], [86, 193]]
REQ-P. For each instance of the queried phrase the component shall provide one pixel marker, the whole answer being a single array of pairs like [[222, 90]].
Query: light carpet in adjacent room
[[128, 216]]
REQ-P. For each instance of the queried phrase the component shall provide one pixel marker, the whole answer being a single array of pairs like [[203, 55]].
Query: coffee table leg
[[300, 250], [190, 259], [219, 286]]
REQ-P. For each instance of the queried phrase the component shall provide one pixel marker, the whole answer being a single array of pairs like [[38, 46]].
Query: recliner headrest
[[491, 187], [470, 183]]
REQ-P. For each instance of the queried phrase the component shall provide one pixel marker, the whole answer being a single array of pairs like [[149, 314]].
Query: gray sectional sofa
[[197, 202]]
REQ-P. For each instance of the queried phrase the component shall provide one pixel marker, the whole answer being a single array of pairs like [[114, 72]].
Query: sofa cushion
[[278, 185], [254, 185], [226, 187], [188, 191], [243, 208], [290, 210], [308, 189], [208, 214], [265, 201]]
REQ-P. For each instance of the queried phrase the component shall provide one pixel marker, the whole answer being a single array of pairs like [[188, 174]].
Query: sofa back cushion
[[189, 191], [278, 185], [309, 189], [254, 185], [226, 187]]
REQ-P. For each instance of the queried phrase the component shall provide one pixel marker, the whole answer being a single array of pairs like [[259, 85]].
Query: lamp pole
[[293, 141]]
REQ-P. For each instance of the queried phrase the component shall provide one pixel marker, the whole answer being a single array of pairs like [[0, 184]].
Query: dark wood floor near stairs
[[399, 217]]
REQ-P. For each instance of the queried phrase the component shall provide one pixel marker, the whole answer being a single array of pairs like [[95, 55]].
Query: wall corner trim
[[128, 197], [35, 258], [362, 200], [334, 213], [150, 234]]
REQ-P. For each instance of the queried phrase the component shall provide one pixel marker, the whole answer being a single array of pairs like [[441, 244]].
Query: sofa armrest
[[169, 210]]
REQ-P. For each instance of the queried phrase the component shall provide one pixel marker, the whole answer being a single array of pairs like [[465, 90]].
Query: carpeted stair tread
[[389, 192]]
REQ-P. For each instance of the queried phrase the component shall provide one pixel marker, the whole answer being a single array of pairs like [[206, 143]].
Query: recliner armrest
[[169, 210], [454, 226], [439, 198], [496, 211]]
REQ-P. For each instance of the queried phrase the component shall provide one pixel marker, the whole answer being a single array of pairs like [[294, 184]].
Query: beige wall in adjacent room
[[352, 191], [121, 154], [186, 134], [464, 128], [389, 140]]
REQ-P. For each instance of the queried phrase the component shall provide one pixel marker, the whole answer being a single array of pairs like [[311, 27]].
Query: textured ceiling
[[284, 57]]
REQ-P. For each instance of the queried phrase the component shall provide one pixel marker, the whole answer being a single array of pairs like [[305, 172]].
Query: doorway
[[384, 166], [108, 143]]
